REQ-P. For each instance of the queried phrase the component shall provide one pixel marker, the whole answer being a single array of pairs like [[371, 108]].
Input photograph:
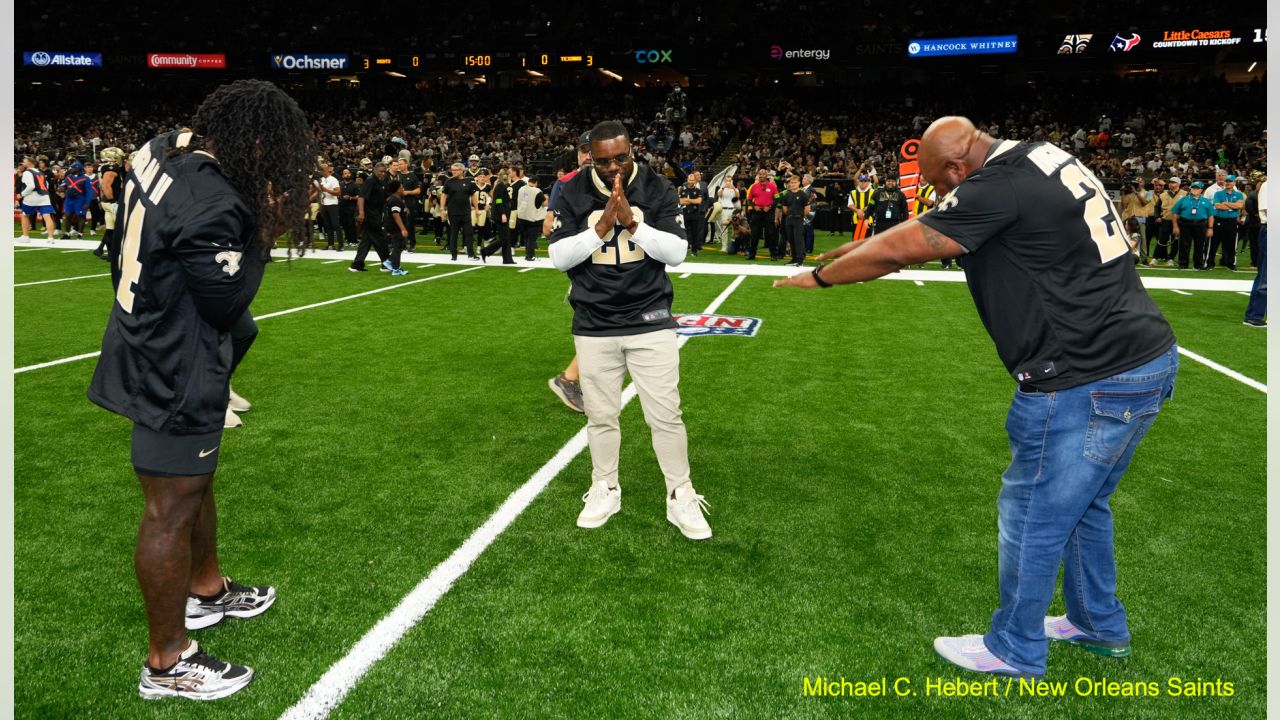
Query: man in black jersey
[[1047, 262], [370, 206], [396, 226], [458, 198], [112, 181], [617, 227], [198, 224], [412, 189], [693, 203]]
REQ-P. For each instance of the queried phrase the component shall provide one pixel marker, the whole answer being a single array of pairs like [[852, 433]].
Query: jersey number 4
[[625, 250], [145, 170], [1100, 214]]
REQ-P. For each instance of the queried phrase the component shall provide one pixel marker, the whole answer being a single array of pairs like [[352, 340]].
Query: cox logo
[[653, 56], [40, 59], [775, 52], [913, 48]]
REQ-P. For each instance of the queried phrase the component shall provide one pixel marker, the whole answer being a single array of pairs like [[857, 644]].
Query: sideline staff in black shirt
[[369, 209], [458, 197]]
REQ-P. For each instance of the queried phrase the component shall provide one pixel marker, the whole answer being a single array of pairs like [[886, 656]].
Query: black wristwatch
[[818, 278]]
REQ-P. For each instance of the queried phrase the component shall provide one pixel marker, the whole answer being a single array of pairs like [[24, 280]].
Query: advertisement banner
[[41, 58], [186, 61], [312, 61], [985, 45]]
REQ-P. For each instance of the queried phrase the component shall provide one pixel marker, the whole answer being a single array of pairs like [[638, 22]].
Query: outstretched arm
[[910, 243]]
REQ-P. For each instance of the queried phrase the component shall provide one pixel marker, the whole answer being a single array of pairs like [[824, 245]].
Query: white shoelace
[[700, 500]]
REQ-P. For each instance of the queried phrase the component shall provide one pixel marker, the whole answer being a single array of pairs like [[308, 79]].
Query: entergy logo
[[707, 324]]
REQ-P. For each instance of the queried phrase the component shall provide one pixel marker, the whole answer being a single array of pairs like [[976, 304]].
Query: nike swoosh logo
[[207, 453]]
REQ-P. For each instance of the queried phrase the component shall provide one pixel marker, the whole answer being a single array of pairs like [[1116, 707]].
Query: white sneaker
[[238, 403], [601, 503], [232, 420], [685, 512], [196, 676], [971, 653], [24, 239]]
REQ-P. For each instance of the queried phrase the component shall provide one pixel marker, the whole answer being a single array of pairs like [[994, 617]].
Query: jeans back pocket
[[1117, 419]]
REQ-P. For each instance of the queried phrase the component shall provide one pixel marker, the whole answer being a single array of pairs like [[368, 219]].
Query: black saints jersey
[[619, 290], [1049, 268], [187, 273]]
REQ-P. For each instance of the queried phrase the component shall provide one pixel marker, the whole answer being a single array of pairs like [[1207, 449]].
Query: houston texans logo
[[1123, 44]]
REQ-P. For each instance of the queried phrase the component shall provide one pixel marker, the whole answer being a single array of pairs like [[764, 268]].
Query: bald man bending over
[[1048, 266]]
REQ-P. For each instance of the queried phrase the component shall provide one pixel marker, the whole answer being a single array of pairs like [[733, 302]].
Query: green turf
[[851, 454]]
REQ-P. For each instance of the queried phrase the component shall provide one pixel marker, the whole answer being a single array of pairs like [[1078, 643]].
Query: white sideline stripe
[[1224, 370], [920, 283], [64, 252], [66, 279], [527, 270], [328, 692], [685, 275], [330, 262], [29, 249], [74, 358], [1180, 292]]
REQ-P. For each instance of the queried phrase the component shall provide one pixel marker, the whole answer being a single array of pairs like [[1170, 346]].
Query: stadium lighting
[[393, 73], [611, 74], [535, 73], [1252, 66]]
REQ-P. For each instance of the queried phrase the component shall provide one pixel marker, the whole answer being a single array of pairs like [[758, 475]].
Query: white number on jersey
[[627, 251], [1100, 214]]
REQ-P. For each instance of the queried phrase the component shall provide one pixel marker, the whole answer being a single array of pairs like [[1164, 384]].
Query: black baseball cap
[[584, 140]]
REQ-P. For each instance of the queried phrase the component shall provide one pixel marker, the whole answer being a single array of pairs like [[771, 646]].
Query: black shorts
[[163, 455]]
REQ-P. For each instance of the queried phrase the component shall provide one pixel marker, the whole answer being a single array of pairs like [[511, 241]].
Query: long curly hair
[[266, 151]]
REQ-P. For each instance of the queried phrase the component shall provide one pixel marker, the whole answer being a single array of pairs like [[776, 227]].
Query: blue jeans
[[1070, 448], [1257, 309]]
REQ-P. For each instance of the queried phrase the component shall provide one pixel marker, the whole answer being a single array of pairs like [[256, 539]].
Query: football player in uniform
[[111, 179], [200, 211], [1048, 264], [618, 227]]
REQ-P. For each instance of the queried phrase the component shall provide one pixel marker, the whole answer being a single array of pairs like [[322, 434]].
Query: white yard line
[[1180, 292], [1224, 370], [345, 298], [426, 266], [528, 269], [64, 252], [328, 692], [29, 249], [685, 275], [330, 262], [66, 279], [920, 283], [1241, 292]]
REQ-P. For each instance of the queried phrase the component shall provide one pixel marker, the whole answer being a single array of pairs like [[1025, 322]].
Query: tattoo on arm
[[935, 239]]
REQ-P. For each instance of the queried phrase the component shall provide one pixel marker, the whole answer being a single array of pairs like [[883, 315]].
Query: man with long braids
[[200, 212]]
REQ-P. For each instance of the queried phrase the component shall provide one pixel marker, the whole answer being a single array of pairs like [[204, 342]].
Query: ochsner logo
[[310, 62], [777, 53]]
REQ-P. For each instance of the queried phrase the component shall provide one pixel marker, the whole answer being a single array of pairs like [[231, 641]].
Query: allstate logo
[[913, 48], [40, 59], [775, 52]]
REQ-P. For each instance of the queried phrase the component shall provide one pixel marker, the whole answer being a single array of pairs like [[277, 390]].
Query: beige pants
[[653, 359]]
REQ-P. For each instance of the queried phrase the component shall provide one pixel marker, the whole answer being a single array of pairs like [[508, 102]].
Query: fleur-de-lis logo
[[232, 259]]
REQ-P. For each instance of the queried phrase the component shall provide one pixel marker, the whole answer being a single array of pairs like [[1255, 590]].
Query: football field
[[851, 454]]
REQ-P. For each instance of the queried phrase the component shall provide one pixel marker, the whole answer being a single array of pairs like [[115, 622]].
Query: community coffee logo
[[188, 61], [1075, 44], [777, 53]]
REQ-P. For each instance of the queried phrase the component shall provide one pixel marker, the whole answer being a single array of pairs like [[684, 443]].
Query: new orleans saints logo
[[232, 260]]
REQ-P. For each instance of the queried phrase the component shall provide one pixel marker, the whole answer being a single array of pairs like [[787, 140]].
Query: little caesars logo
[[777, 53]]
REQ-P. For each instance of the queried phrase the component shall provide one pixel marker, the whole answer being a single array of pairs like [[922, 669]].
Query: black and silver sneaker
[[569, 392], [235, 600], [196, 676]]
